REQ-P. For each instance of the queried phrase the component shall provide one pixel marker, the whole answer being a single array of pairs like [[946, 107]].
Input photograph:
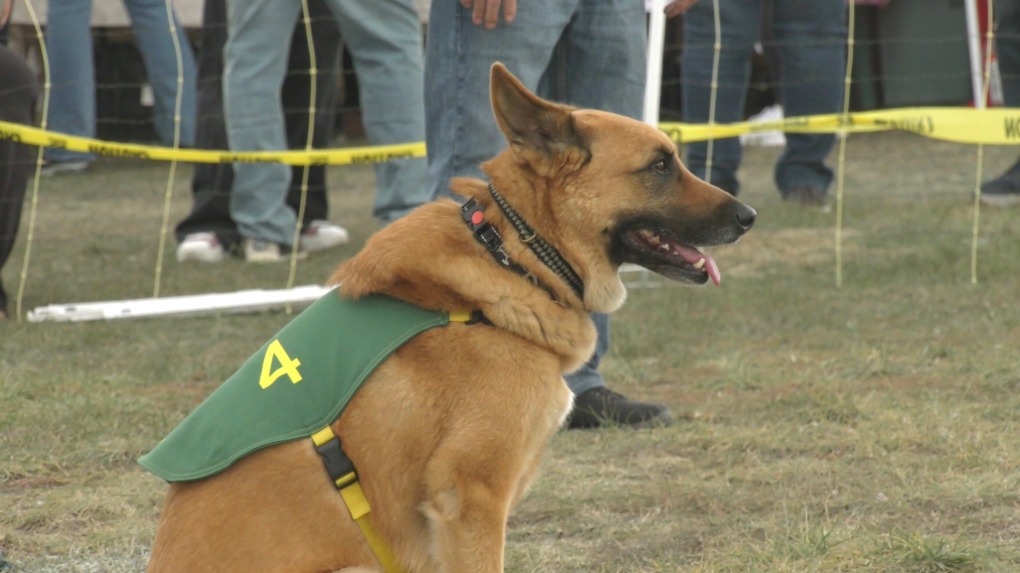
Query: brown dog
[[448, 432]]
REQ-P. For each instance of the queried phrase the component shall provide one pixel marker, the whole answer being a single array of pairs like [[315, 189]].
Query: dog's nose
[[745, 217]]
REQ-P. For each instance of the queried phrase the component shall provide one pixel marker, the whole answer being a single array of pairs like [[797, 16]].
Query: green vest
[[298, 383]]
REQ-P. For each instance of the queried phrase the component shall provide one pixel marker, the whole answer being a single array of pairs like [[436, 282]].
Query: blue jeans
[[1007, 46], [384, 39], [588, 53], [72, 108], [211, 182], [811, 40]]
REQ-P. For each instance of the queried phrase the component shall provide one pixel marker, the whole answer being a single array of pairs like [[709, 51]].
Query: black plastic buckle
[[483, 231], [478, 317], [335, 459]]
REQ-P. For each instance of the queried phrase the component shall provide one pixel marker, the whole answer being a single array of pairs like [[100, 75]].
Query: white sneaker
[[203, 247], [322, 235], [61, 167], [765, 138], [262, 251]]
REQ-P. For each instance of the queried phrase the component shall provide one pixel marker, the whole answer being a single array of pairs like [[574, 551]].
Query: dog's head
[[613, 191]]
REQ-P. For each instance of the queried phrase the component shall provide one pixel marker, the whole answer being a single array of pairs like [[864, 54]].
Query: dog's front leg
[[468, 525]]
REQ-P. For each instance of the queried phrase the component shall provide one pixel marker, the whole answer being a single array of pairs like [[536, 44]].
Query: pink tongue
[[692, 256], [713, 270]]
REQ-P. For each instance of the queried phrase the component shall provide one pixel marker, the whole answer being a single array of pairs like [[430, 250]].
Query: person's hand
[[678, 7], [486, 12], [5, 11]]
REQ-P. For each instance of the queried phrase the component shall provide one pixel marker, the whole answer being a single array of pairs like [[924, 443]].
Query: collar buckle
[[486, 234]]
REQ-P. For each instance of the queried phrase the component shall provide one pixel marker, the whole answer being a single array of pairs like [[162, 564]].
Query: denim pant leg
[[1007, 46], [211, 182], [296, 95], [461, 132], [588, 376], [740, 25], [72, 107], [811, 38], [255, 61], [151, 23], [600, 64], [385, 41]]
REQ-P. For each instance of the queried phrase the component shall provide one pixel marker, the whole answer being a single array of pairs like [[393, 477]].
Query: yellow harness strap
[[341, 471], [328, 445], [468, 317], [460, 316]]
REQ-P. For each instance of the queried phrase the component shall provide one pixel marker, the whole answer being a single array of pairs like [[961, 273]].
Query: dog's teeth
[[700, 264], [664, 246], [645, 233]]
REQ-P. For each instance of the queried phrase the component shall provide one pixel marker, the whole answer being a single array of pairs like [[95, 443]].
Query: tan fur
[[448, 433]]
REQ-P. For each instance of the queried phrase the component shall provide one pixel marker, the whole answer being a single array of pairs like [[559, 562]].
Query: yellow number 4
[[288, 366]]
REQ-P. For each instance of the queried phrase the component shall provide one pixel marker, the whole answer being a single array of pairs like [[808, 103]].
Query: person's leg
[[1007, 48], [1005, 189], [210, 182], [461, 132], [811, 37], [385, 42], [17, 105], [151, 22], [255, 61], [600, 63], [740, 24], [588, 376], [72, 107], [296, 96]]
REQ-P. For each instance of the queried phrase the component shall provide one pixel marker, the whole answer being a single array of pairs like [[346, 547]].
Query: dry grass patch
[[870, 428]]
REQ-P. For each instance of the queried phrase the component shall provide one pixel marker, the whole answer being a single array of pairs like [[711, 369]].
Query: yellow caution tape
[[376, 154], [997, 126]]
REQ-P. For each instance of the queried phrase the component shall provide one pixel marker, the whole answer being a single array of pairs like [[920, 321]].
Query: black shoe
[[1004, 190], [601, 407]]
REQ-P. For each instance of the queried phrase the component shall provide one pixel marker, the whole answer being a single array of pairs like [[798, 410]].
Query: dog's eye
[[660, 166]]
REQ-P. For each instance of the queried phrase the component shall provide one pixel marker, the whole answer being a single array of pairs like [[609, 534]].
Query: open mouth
[[660, 252]]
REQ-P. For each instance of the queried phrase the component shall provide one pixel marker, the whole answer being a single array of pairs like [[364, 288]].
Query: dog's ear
[[537, 130]]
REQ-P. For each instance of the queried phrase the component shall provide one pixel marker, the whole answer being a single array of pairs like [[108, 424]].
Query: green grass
[[866, 428]]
